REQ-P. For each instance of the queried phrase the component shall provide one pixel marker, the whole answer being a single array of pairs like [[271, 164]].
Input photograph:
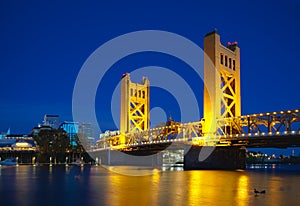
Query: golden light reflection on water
[[171, 188], [242, 190], [196, 193], [275, 184], [161, 188], [217, 188], [133, 190]]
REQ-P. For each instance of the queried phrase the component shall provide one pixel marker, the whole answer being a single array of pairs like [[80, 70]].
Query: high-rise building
[[51, 120], [36, 130], [86, 134], [72, 130]]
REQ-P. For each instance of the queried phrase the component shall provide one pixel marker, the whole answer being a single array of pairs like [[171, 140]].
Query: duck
[[259, 192]]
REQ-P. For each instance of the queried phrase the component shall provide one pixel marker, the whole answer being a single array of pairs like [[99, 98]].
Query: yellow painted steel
[[135, 105], [222, 96]]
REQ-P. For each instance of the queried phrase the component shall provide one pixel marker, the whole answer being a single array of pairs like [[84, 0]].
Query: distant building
[[3, 134], [105, 138], [71, 128], [51, 120], [86, 134], [36, 130], [108, 134], [17, 142], [19, 136]]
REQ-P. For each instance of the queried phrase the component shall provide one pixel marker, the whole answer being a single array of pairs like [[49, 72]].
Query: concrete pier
[[223, 158], [195, 158]]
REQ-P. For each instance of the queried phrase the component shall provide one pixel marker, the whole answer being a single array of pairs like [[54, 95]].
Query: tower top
[[215, 31]]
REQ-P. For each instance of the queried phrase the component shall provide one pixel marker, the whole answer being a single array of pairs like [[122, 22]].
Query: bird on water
[[259, 192]]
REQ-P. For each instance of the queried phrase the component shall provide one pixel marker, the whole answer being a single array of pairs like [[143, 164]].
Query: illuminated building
[[86, 134], [36, 130], [71, 128], [3, 134], [51, 120], [17, 142]]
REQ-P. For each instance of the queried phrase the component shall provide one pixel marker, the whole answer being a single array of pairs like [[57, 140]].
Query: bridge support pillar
[[222, 95], [131, 158], [135, 106], [225, 158]]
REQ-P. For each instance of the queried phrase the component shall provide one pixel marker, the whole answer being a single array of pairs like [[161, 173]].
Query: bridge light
[[278, 133], [243, 135], [270, 133], [249, 134], [261, 114], [293, 132], [281, 112], [285, 132], [296, 110], [268, 113], [289, 111], [263, 134], [274, 112]]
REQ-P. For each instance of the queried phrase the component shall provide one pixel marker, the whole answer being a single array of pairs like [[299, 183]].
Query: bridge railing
[[263, 124], [260, 124], [176, 131]]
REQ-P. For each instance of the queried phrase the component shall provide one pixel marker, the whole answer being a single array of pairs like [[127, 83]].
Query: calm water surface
[[91, 185]]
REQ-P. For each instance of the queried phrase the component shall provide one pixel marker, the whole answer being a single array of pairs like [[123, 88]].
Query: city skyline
[[44, 47], [116, 102]]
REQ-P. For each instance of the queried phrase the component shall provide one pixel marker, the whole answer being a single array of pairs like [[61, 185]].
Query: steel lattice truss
[[137, 110], [228, 98], [169, 133], [264, 126], [260, 124], [175, 131]]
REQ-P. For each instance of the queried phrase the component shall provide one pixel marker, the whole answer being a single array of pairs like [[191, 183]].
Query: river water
[[95, 185]]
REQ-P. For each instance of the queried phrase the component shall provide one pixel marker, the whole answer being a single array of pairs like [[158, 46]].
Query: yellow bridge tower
[[135, 106], [222, 96]]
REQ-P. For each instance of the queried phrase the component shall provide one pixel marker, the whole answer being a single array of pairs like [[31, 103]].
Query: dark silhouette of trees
[[52, 143], [55, 143]]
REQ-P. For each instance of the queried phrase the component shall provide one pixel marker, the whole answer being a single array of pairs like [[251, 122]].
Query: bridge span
[[218, 141]]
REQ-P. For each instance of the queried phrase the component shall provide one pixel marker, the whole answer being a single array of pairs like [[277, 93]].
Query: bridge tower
[[222, 96], [135, 106]]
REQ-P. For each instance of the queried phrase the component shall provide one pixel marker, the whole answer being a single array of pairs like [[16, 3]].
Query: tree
[[52, 143]]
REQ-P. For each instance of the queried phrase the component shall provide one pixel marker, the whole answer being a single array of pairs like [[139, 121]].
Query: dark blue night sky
[[44, 45]]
